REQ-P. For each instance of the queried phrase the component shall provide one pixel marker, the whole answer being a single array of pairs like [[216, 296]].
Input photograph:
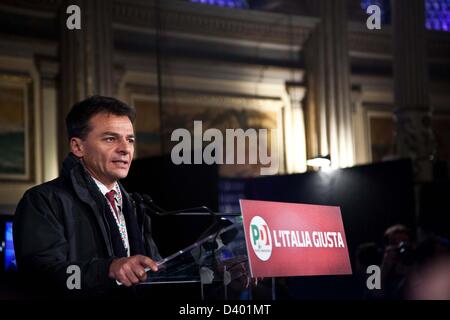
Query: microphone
[[219, 222], [147, 202]]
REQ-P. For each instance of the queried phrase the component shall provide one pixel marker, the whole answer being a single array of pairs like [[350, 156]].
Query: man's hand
[[131, 270]]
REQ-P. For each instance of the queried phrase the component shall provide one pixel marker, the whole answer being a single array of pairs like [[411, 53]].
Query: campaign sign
[[289, 239]]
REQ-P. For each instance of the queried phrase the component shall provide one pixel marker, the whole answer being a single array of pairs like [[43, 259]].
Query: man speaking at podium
[[84, 220]]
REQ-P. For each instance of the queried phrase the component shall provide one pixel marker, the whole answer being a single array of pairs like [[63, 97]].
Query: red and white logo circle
[[260, 238]]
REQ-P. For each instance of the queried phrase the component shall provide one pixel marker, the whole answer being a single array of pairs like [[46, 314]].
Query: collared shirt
[[120, 220]]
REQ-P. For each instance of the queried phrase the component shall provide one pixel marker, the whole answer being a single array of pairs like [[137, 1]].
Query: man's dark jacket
[[64, 222]]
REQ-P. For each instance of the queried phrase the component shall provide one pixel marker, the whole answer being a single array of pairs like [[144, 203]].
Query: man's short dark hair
[[77, 121]]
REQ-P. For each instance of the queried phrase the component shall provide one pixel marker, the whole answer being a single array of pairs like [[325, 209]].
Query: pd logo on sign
[[260, 238]]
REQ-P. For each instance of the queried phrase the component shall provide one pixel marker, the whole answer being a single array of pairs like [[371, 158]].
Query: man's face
[[108, 149]]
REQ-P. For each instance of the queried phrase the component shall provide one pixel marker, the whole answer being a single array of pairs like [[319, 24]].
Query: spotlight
[[319, 162]]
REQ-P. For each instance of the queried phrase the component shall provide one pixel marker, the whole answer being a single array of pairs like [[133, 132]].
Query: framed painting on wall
[[381, 134], [223, 118], [16, 128]]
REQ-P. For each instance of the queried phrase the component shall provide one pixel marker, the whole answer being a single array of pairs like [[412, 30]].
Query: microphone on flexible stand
[[148, 200], [147, 204]]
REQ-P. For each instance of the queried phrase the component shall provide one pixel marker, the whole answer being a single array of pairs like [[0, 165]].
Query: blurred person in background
[[430, 278], [397, 262]]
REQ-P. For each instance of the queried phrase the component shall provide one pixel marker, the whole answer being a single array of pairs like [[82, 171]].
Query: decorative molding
[[202, 83], [276, 29], [15, 79], [262, 27], [199, 98], [296, 92], [26, 47], [210, 69], [368, 45], [245, 25], [414, 133], [363, 43]]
